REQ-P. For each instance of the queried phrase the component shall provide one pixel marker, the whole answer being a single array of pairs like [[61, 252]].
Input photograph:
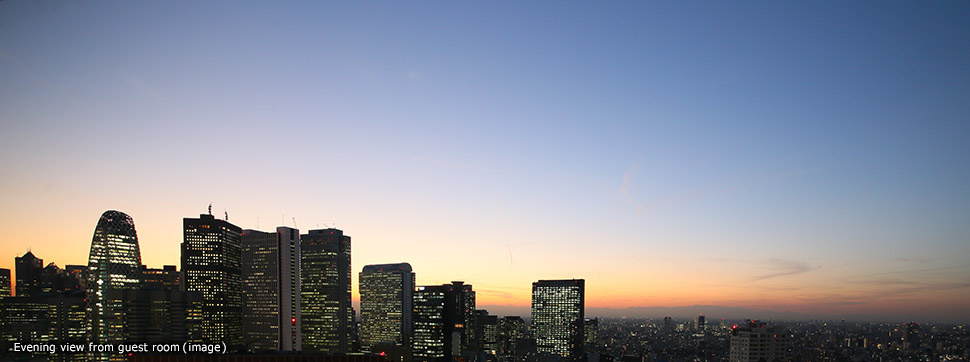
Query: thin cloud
[[139, 85], [625, 184], [783, 267]]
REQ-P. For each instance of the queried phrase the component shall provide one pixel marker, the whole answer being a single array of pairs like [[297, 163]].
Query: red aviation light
[[293, 320], [383, 354]]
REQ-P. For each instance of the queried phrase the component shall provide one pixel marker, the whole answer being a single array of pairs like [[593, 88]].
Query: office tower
[[211, 266], [511, 329], [55, 280], [78, 273], [428, 343], [668, 325], [166, 278], [590, 330], [29, 269], [486, 332], [42, 318], [386, 294], [701, 323], [756, 341], [271, 284], [114, 263], [557, 316], [157, 315], [325, 295], [460, 315], [5, 289]]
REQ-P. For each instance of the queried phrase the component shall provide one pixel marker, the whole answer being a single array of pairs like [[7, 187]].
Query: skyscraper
[[29, 269], [325, 295], [114, 263], [386, 293], [271, 284], [444, 319], [167, 278], [211, 266], [558, 309], [429, 325]]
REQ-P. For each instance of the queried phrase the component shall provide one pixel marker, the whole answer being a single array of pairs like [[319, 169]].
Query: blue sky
[[806, 142]]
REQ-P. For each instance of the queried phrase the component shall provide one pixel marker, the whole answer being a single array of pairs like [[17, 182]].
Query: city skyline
[[802, 158]]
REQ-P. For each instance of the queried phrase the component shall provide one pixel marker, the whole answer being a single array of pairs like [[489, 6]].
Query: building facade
[[757, 341], [271, 283], [386, 296], [558, 313], [211, 255], [325, 292], [114, 263]]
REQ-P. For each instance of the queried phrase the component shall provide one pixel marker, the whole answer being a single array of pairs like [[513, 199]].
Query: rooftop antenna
[[210, 208], [294, 223], [227, 214]]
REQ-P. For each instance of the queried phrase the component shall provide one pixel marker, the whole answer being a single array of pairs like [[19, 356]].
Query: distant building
[[591, 326], [5, 288], [29, 269], [325, 297], [486, 332], [510, 330], [386, 297], [271, 283], [211, 253], [430, 327], [114, 263], [757, 341], [166, 278], [444, 318], [558, 309], [700, 324]]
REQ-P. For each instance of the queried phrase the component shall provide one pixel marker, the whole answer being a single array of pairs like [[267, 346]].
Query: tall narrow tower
[[271, 290], [113, 264], [558, 308], [325, 291], [211, 253], [386, 305]]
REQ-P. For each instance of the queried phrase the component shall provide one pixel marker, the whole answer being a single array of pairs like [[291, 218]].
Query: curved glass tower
[[113, 264]]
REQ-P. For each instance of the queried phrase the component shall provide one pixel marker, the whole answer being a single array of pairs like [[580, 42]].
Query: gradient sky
[[811, 157]]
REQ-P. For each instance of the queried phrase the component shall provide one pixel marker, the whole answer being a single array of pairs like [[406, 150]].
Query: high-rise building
[[166, 278], [114, 263], [511, 329], [386, 294], [211, 266], [29, 269], [558, 309], [428, 343], [271, 283], [486, 332], [41, 318], [757, 341], [5, 289], [700, 324], [325, 291], [444, 319]]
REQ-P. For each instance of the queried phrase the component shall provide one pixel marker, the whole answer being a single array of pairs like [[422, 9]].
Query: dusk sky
[[811, 157]]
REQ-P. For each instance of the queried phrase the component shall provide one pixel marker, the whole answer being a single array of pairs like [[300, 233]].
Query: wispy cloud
[[625, 185], [139, 85], [784, 267]]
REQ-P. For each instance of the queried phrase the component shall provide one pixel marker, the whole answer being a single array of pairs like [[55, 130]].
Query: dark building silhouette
[[271, 283], [325, 291], [486, 332], [558, 310], [166, 278], [29, 269], [444, 318], [42, 318], [157, 315], [430, 327], [386, 296], [510, 330], [5, 286], [211, 255], [114, 263], [590, 331]]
